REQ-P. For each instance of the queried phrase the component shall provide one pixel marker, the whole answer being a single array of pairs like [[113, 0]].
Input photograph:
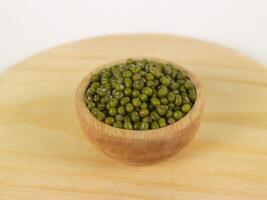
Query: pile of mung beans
[[140, 94]]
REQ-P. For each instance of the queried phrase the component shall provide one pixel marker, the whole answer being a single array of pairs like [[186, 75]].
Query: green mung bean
[[140, 94]]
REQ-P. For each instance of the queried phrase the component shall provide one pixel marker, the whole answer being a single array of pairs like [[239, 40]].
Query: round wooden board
[[44, 154]]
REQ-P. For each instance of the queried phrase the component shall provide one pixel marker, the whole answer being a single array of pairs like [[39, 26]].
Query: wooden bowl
[[137, 147]]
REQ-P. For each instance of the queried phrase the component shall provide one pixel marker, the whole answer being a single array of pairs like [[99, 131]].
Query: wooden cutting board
[[44, 154]]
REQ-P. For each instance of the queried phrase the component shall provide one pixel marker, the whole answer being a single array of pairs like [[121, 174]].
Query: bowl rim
[[178, 126]]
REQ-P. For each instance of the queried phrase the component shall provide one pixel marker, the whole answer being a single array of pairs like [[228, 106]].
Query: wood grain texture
[[44, 154], [139, 147]]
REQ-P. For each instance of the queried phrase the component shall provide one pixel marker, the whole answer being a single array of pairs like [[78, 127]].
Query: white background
[[30, 26]]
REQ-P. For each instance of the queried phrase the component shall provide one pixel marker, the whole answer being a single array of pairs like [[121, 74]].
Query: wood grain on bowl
[[134, 146]]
